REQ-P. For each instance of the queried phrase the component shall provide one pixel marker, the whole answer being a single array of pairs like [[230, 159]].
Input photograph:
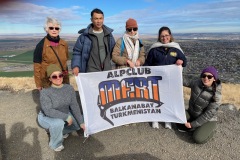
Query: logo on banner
[[139, 90]]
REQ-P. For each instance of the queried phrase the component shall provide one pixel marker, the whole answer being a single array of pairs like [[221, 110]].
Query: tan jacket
[[48, 57], [121, 61]]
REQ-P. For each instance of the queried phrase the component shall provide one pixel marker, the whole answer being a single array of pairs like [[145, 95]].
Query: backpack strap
[[123, 45]]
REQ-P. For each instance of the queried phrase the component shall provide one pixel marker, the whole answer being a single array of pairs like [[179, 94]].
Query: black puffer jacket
[[203, 103]]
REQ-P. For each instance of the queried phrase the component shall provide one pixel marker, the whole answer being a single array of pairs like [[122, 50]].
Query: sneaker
[[155, 125], [65, 136], [181, 130], [181, 127], [168, 125], [58, 149]]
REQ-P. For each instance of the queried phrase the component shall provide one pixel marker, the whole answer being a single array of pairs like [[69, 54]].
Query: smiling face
[[56, 78], [53, 29], [207, 79], [165, 37]]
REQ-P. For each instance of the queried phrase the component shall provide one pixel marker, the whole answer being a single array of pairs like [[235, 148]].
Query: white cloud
[[216, 14], [19, 12]]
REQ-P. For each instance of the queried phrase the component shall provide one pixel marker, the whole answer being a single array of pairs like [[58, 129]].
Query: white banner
[[131, 95]]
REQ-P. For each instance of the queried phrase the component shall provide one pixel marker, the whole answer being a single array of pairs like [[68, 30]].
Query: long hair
[[214, 86]]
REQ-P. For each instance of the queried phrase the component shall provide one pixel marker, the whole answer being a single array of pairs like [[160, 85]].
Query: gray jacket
[[203, 103]]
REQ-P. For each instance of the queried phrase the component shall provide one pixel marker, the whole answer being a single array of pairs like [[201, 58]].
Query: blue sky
[[182, 16]]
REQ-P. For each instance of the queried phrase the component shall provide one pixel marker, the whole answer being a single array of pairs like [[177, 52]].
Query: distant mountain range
[[210, 36]]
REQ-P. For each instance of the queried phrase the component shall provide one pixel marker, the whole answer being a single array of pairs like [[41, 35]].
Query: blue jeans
[[56, 128]]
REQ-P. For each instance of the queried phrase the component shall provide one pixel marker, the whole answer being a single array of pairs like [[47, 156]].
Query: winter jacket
[[121, 60], [49, 57], [203, 103], [164, 56], [87, 45]]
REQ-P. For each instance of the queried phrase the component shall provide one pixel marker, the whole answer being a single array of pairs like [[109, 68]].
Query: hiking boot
[[155, 125]]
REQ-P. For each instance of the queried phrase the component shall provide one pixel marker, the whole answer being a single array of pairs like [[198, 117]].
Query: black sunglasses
[[57, 76], [208, 76], [130, 29], [56, 28]]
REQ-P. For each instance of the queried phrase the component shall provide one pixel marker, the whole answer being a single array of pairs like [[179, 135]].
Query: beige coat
[[48, 57], [121, 61]]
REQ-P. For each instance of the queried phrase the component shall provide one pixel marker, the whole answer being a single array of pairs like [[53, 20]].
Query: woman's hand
[[69, 120], [179, 62], [130, 63], [82, 126], [137, 64], [188, 125]]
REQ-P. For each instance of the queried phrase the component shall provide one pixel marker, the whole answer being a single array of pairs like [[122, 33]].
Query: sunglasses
[[163, 36], [208, 76], [56, 28], [130, 29], [57, 76]]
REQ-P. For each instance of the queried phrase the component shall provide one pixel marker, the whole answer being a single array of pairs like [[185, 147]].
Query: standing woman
[[50, 50], [60, 112], [129, 50], [165, 52], [204, 102]]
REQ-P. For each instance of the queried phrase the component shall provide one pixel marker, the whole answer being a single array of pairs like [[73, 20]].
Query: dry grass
[[230, 92], [23, 83]]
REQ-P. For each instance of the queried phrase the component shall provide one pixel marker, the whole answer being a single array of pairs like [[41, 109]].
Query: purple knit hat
[[211, 70]]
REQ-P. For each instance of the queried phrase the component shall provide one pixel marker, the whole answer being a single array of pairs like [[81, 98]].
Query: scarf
[[37, 56], [133, 51], [53, 39], [171, 44]]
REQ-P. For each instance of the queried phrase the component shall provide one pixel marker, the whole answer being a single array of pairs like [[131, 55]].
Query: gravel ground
[[22, 138]]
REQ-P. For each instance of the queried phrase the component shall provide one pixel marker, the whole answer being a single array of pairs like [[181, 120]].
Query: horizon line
[[6, 34]]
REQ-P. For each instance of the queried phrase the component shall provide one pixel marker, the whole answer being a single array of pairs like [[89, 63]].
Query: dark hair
[[96, 10], [214, 85], [164, 28]]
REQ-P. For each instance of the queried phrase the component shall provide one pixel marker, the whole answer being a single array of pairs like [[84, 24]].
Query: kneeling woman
[[204, 102], [60, 112]]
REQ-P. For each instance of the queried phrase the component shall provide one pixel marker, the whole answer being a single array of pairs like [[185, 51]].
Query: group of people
[[96, 50]]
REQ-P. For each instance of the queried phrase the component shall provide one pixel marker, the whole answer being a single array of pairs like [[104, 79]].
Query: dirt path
[[22, 138]]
